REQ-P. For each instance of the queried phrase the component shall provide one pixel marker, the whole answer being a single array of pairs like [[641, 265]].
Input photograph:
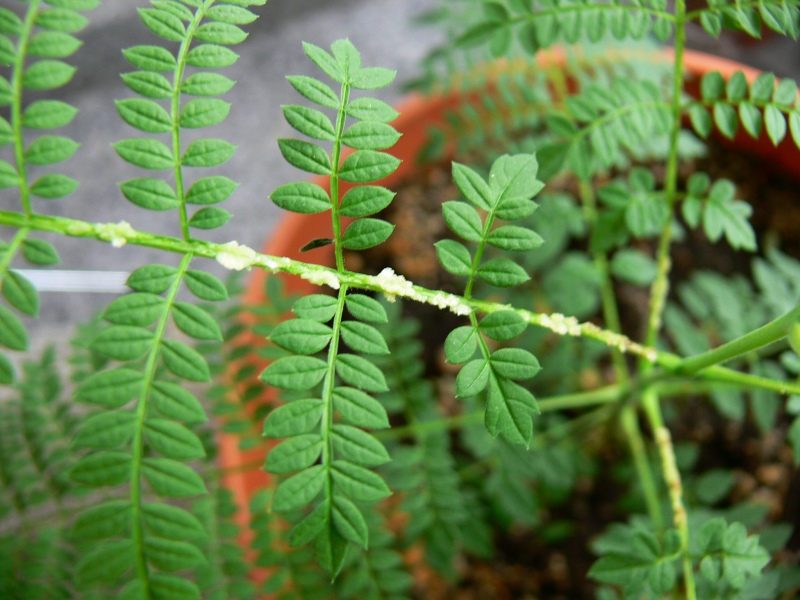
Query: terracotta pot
[[417, 116]]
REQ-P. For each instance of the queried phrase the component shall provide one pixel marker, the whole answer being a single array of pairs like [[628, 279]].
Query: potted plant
[[141, 510]]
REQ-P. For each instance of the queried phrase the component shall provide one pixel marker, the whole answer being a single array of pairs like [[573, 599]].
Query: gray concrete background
[[381, 29]]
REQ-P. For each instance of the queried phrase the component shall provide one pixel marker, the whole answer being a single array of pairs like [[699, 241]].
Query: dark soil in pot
[[524, 565]]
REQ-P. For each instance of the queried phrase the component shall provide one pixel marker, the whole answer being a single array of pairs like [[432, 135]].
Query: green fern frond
[[758, 106], [503, 107], [47, 424], [38, 566], [331, 467], [779, 16], [32, 44], [720, 212], [38, 425], [541, 24], [507, 196], [144, 440], [204, 36], [601, 121]]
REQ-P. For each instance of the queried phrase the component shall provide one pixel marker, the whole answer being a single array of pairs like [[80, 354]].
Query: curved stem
[[18, 71], [763, 336], [175, 113]]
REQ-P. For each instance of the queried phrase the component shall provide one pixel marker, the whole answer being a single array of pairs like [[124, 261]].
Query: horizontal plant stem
[[746, 380], [606, 395], [763, 336], [593, 398], [241, 257], [589, 399]]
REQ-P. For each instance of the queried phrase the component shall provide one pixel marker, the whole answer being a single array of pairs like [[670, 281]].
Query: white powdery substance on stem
[[236, 257], [116, 233], [561, 324], [450, 302], [620, 342], [274, 264], [393, 285], [322, 278]]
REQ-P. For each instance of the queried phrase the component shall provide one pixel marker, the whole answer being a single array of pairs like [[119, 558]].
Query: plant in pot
[[382, 477], [612, 228]]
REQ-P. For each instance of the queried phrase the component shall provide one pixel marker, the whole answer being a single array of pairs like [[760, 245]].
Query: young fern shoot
[[327, 448]]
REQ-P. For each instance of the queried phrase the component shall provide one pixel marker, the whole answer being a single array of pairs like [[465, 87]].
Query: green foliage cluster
[[569, 193], [331, 460]]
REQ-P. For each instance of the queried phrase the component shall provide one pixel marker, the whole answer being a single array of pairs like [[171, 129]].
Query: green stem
[[672, 478], [421, 428], [660, 286], [137, 524], [175, 110], [326, 423], [608, 298], [767, 334], [244, 467], [319, 275], [633, 434], [329, 383], [628, 416], [719, 374], [599, 397], [18, 71], [658, 298], [476, 262], [605, 395], [8, 255], [336, 154]]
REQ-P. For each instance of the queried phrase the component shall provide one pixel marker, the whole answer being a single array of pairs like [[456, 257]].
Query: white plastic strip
[[59, 280]]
